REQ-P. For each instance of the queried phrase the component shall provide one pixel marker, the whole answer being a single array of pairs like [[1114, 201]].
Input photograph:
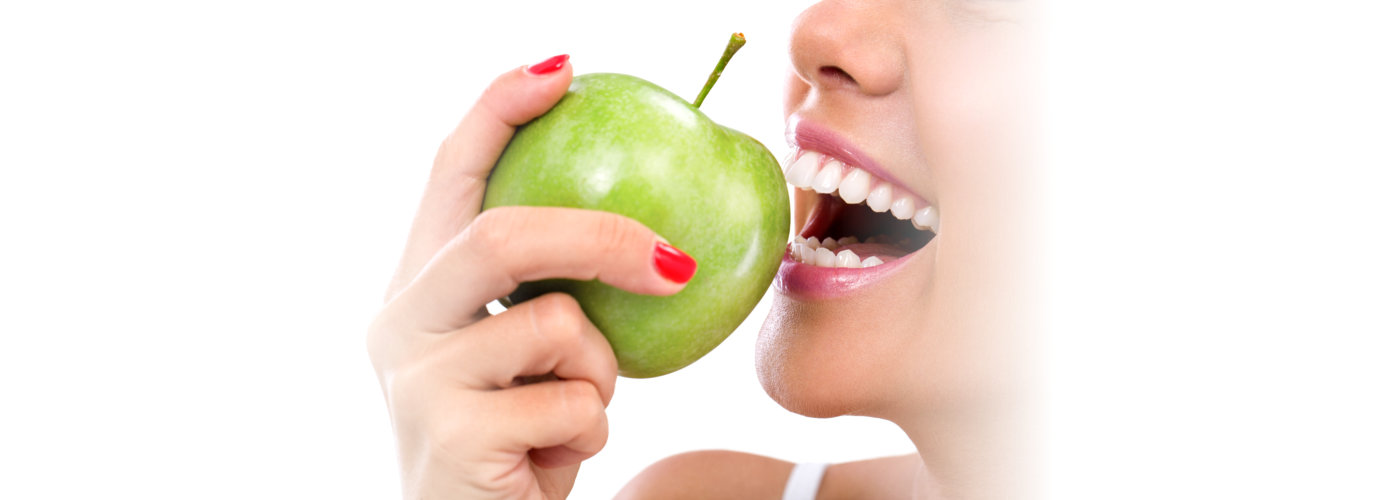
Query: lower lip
[[808, 282]]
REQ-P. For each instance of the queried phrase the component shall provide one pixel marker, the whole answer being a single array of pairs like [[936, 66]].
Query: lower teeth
[[822, 253]]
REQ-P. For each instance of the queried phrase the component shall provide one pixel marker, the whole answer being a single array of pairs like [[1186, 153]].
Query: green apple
[[621, 144]]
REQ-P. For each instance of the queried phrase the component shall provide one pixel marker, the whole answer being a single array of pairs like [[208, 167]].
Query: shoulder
[[720, 474], [710, 474], [886, 477]]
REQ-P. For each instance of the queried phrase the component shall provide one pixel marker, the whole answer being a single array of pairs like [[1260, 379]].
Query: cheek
[[803, 201], [974, 117], [974, 97], [794, 93]]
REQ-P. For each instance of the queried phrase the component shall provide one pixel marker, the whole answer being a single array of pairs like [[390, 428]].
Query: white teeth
[[904, 207], [828, 179], [802, 172], [824, 258], [855, 187], [881, 197], [847, 258], [927, 218], [823, 254], [801, 252]]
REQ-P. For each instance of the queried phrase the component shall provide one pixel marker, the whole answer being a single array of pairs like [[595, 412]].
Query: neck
[[972, 455]]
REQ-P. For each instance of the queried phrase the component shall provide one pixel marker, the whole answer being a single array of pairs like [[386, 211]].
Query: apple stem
[[737, 40]]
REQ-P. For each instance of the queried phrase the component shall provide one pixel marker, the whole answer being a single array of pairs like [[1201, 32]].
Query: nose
[[849, 46]]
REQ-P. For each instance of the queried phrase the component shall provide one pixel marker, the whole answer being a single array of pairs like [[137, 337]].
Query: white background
[[1209, 194], [201, 203]]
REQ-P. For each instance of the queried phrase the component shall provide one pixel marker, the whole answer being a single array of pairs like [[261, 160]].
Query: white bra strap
[[804, 481]]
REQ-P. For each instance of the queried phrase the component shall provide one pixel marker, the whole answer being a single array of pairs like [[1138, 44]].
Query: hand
[[502, 406]]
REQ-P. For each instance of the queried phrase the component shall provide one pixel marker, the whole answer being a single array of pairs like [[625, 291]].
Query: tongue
[[884, 251]]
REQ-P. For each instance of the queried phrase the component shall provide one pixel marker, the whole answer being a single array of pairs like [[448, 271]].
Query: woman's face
[[927, 98]]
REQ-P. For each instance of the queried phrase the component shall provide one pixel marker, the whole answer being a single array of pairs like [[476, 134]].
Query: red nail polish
[[549, 65], [673, 264]]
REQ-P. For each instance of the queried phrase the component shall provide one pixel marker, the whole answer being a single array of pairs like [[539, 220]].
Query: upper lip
[[806, 135]]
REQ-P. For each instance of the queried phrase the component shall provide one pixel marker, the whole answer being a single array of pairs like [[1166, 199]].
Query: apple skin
[[620, 144]]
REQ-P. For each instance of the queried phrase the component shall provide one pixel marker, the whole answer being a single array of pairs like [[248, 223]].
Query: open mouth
[[859, 220]]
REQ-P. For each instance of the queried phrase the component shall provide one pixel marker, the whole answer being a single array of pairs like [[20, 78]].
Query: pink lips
[[802, 281]]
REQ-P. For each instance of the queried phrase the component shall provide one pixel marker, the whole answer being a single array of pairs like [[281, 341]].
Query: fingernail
[[673, 264], [549, 65]]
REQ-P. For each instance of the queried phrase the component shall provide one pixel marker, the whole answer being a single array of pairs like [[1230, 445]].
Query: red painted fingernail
[[673, 264], [549, 65]]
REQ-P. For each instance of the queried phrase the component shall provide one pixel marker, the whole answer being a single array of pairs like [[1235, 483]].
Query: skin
[[932, 90]]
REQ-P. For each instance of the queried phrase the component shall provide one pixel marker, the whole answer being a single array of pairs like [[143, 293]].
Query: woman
[[909, 123]]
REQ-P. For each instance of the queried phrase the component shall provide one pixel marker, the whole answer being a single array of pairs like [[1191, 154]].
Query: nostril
[[836, 74]]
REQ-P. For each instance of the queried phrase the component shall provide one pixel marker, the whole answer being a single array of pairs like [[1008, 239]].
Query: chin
[[827, 359], [830, 358], [790, 370]]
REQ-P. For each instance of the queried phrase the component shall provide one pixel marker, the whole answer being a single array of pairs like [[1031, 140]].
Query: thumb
[[453, 194], [514, 98]]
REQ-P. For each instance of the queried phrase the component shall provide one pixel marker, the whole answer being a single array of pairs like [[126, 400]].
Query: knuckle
[[492, 228], [482, 110], [609, 367], [559, 318], [387, 344], [405, 389], [492, 91], [616, 233], [583, 402], [377, 341]]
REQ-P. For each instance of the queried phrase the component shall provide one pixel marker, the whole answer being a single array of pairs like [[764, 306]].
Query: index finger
[[511, 245], [453, 193]]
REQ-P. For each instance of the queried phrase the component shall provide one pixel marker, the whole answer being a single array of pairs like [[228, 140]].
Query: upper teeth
[[927, 218], [810, 170], [855, 187], [828, 179]]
